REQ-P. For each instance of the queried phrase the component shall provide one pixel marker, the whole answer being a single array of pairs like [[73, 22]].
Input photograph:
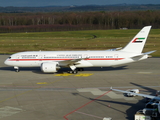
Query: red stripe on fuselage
[[64, 59]]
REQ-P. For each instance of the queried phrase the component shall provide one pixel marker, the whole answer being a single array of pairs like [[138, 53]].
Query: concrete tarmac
[[33, 95]]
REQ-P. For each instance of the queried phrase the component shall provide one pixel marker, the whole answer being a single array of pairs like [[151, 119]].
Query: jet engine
[[50, 67]]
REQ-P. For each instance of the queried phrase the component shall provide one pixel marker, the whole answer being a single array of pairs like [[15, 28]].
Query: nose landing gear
[[16, 69]]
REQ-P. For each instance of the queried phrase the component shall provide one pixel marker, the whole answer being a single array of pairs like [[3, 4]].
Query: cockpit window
[[9, 58]]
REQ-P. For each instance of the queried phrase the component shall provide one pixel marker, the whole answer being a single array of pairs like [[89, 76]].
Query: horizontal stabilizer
[[147, 53]]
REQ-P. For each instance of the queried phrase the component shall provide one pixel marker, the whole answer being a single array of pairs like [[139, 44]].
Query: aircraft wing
[[143, 95], [71, 61]]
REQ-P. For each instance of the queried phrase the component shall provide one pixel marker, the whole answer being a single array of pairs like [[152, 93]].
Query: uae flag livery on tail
[[138, 40]]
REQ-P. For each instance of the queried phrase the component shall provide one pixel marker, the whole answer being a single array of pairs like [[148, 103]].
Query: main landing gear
[[75, 71], [16, 69]]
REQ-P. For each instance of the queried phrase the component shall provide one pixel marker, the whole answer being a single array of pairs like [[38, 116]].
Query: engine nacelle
[[50, 67]]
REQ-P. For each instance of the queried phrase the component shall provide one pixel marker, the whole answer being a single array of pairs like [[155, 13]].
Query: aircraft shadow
[[153, 91], [133, 107], [33, 69], [129, 112], [37, 70]]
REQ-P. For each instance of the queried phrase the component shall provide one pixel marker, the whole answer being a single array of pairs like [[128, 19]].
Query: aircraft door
[[40, 57], [17, 58], [116, 56], [85, 56], [79, 56]]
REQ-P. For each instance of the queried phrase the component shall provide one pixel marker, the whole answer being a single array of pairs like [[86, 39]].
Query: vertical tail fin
[[137, 43]]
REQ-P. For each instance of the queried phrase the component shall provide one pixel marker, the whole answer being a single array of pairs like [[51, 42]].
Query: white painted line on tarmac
[[144, 72], [89, 115], [8, 111], [111, 94]]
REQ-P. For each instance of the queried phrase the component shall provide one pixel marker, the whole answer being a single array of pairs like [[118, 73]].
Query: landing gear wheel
[[70, 72], [81, 69], [74, 71], [17, 70]]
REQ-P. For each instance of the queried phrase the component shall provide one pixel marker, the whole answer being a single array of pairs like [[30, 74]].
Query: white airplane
[[153, 100], [52, 61]]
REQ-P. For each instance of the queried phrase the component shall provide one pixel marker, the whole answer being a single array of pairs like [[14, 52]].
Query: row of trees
[[11, 22]]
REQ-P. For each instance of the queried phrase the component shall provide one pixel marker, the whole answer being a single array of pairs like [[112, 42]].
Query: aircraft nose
[[6, 62]]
